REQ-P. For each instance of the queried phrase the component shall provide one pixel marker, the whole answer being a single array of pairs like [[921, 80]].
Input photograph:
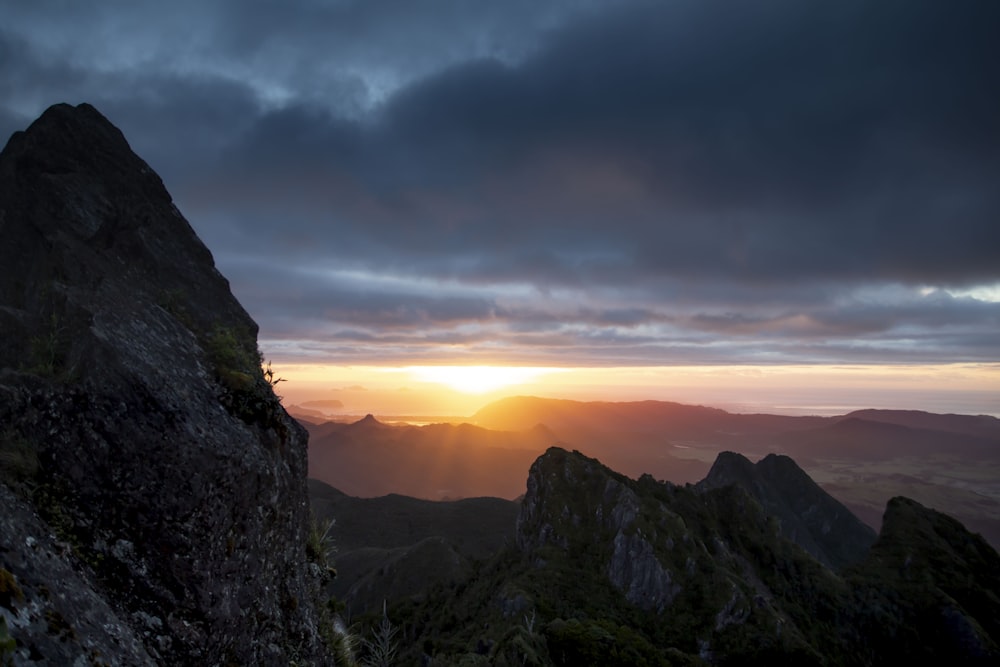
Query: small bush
[[7, 644], [320, 546], [47, 348], [247, 386]]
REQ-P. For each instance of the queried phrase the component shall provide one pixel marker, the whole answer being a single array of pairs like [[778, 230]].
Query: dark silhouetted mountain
[[806, 514], [396, 546], [155, 508]]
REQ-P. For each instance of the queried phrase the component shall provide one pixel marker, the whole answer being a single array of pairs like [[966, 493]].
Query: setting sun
[[477, 379]]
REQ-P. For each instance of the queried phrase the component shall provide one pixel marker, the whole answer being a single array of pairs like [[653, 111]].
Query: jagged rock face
[[706, 571], [603, 506], [130, 374], [807, 514], [710, 565]]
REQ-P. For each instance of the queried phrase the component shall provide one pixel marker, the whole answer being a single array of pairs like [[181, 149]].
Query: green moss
[[576, 642], [247, 387], [10, 591], [233, 350]]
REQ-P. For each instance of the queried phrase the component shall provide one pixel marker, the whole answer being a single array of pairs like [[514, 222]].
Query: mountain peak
[[131, 378], [808, 515], [92, 236]]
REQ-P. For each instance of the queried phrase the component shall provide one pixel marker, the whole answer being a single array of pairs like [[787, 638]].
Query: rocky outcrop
[[806, 514], [705, 564], [944, 583], [138, 425]]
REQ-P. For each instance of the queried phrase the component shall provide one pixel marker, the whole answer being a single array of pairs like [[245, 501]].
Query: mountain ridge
[[617, 571]]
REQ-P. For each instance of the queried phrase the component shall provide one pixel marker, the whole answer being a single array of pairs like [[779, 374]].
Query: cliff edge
[[155, 509]]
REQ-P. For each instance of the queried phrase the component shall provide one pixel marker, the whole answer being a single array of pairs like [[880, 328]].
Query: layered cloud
[[592, 183]]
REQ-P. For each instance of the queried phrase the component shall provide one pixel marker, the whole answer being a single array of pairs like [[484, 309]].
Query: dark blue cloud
[[638, 181]]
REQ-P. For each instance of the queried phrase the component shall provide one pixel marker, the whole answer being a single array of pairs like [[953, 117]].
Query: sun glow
[[460, 391], [477, 379]]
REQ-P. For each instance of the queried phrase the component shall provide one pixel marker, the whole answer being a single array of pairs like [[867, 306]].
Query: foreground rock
[[156, 509]]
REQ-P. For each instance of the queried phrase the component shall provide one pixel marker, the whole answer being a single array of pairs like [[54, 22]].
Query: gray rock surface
[[572, 498], [137, 422]]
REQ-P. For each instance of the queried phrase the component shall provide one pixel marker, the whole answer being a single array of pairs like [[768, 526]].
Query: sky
[[741, 188]]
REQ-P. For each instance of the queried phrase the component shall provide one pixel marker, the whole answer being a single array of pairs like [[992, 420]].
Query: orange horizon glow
[[478, 379], [461, 390]]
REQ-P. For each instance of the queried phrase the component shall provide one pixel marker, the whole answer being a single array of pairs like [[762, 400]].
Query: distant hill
[[672, 420], [874, 438], [438, 461], [983, 426]]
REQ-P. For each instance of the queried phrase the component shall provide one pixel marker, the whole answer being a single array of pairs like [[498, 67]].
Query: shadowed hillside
[[396, 546]]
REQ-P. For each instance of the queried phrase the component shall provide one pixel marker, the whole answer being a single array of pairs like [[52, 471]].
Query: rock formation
[[156, 509], [619, 568], [806, 514]]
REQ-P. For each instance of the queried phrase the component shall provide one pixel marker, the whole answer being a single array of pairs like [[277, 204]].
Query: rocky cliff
[[155, 508]]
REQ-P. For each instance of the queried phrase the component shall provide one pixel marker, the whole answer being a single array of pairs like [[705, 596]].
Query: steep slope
[[806, 514], [396, 546], [141, 427]]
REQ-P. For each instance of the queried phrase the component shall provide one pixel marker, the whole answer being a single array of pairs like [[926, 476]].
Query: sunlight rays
[[478, 379]]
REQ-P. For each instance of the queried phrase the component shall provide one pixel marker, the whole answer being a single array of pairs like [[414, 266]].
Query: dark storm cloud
[[639, 182], [802, 143]]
